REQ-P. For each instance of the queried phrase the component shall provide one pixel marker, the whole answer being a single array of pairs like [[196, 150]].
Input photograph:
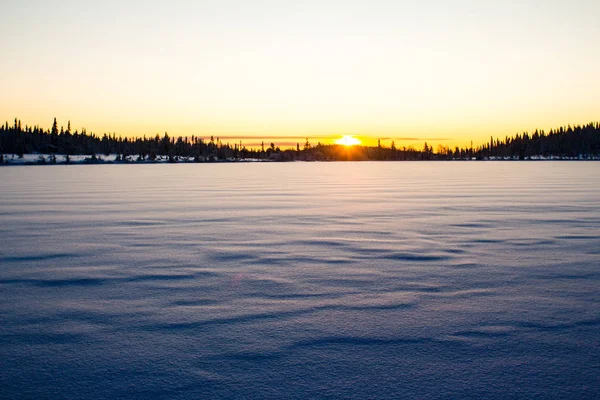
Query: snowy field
[[303, 280]]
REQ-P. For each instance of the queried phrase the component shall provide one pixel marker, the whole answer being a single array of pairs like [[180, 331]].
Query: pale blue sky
[[448, 69]]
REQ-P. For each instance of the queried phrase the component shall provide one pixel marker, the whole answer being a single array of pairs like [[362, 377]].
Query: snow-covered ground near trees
[[29, 159], [301, 280], [36, 159]]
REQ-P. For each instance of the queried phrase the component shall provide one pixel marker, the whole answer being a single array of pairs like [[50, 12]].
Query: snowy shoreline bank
[[56, 159]]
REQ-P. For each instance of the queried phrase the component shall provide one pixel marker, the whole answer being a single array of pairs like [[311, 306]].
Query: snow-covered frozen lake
[[301, 280]]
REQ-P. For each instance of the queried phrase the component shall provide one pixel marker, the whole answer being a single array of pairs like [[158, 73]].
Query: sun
[[348, 141]]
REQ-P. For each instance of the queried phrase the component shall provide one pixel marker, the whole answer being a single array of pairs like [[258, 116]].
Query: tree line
[[579, 141]]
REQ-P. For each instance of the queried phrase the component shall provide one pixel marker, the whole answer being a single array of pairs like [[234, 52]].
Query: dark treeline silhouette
[[562, 143]]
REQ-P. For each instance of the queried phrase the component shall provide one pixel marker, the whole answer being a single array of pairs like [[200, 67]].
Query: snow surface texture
[[301, 280]]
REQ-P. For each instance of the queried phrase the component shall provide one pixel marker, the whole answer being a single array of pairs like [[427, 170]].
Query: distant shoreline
[[114, 159], [64, 146]]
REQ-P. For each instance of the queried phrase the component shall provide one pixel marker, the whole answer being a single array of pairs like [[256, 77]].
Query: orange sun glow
[[348, 141]]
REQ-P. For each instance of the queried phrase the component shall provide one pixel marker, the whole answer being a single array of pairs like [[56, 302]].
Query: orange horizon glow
[[348, 140], [401, 138], [413, 137]]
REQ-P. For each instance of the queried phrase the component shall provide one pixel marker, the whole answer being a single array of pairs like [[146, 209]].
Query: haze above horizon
[[450, 71]]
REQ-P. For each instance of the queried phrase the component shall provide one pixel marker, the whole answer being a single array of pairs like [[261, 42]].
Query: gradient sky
[[458, 70]]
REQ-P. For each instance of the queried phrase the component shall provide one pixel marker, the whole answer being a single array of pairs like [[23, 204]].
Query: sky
[[446, 72]]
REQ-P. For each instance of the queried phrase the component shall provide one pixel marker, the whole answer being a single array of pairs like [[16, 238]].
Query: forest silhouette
[[577, 142]]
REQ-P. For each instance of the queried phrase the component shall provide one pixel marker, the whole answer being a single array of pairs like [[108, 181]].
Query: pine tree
[[54, 127]]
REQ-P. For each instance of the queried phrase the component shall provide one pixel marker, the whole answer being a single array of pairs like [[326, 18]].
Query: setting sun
[[348, 141]]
